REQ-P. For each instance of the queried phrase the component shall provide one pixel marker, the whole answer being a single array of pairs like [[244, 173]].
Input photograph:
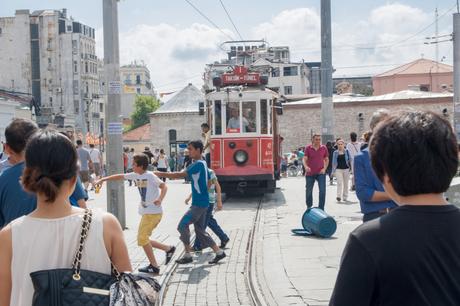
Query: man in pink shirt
[[315, 161]]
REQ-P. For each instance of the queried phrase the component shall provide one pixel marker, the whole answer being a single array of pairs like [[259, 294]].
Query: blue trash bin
[[315, 220]]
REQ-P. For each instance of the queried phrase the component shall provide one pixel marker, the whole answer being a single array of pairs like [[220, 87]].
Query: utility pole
[[327, 107], [456, 38], [114, 128], [436, 34]]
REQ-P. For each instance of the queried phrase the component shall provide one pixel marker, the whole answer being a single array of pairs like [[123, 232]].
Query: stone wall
[[299, 122], [187, 125]]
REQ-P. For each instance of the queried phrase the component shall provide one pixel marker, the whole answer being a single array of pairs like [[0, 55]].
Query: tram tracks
[[252, 281]]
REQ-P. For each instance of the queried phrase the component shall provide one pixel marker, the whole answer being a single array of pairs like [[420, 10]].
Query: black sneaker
[[169, 254], [338, 199], [150, 269], [217, 258], [184, 260], [223, 244]]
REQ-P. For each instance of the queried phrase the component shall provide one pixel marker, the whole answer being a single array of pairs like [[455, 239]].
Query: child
[[152, 191], [215, 192], [198, 174]]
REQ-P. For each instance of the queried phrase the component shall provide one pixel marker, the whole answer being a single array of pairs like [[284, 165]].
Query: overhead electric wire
[[208, 19], [231, 20], [425, 28]]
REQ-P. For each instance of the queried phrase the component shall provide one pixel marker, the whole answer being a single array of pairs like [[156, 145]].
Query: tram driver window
[[233, 117]]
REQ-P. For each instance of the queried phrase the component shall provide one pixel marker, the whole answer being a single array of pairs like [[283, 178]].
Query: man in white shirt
[[96, 159], [206, 133], [353, 147]]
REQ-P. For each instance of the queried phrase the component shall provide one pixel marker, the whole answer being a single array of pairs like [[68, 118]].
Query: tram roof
[[185, 101]]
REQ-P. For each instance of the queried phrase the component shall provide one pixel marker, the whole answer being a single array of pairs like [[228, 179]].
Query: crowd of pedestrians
[[404, 253], [44, 184]]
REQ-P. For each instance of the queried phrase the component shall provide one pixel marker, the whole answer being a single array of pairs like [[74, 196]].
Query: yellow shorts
[[146, 226]]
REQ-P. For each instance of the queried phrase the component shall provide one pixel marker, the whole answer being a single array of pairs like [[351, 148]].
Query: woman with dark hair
[[48, 237], [330, 150]]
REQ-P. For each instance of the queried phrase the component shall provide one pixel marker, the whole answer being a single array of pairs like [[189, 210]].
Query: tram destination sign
[[240, 75]]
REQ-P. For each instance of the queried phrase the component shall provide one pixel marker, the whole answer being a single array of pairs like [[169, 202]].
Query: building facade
[[284, 76], [422, 74], [52, 58], [301, 119], [178, 120], [136, 81]]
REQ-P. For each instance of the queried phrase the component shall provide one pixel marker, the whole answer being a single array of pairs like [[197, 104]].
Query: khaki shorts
[[84, 176], [146, 226]]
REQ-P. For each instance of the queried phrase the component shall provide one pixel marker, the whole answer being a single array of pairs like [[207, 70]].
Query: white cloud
[[297, 28], [172, 54], [365, 42]]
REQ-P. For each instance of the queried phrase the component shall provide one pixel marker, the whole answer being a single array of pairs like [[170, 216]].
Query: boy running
[[215, 193], [197, 172], [152, 191]]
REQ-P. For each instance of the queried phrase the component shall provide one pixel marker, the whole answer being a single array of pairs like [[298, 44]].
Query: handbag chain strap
[[87, 218]]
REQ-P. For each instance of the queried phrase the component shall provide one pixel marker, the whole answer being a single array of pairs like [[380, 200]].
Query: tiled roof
[[141, 134], [185, 101], [420, 66]]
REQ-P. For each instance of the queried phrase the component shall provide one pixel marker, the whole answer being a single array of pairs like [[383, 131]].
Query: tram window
[[263, 117], [218, 118], [249, 117], [271, 116], [233, 117]]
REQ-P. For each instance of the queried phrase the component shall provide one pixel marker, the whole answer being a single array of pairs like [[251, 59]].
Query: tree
[[143, 106]]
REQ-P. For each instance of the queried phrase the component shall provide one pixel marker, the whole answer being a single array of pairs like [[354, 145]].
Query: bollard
[[316, 222]]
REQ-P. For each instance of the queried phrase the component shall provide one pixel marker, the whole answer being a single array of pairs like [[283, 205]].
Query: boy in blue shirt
[[198, 174], [215, 196]]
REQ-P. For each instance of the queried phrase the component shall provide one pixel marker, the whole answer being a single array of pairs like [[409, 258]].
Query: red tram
[[245, 141]]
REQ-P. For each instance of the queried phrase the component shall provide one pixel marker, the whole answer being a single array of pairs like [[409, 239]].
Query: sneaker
[[169, 254], [223, 244], [150, 269], [217, 258], [184, 260], [338, 199]]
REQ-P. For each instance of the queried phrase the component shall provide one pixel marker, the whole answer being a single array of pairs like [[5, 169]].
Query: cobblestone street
[[288, 269]]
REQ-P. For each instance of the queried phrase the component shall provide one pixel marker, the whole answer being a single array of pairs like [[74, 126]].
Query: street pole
[[114, 128], [456, 42], [327, 107]]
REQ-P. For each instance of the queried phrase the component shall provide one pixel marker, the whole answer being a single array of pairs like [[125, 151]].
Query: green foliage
[[143, 106], [363, 89]]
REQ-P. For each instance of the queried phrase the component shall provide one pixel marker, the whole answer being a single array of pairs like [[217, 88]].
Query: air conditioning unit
[[59, 90]]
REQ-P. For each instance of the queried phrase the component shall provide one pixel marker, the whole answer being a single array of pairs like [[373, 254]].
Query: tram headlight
[[240, 157]]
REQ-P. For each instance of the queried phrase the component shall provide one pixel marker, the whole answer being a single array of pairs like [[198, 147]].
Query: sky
[[176, 42]]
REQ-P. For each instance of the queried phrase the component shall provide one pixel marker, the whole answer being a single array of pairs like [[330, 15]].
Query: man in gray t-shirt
[[85, 163]]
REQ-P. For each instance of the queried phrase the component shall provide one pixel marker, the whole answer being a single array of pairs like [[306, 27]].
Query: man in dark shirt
[[410, 256]]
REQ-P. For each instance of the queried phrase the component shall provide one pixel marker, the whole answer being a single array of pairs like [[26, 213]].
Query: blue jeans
[[211, 222], [310, 182]]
